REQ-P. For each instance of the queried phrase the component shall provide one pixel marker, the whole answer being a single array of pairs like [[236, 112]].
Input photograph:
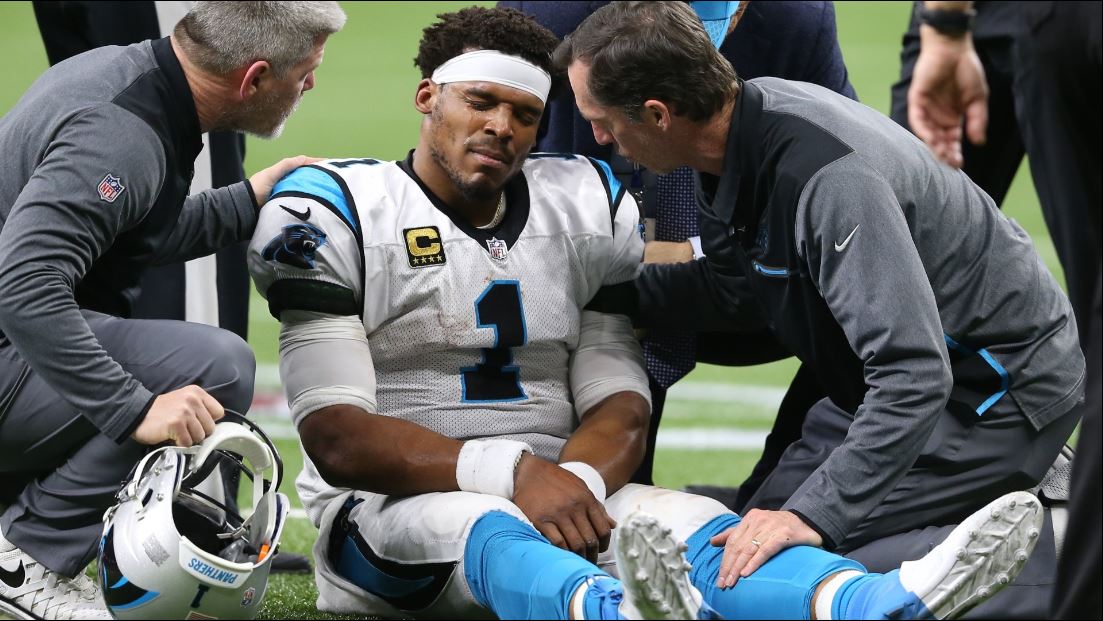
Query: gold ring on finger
[[756, 543]]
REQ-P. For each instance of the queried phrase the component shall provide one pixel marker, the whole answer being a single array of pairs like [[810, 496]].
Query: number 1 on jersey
[[496, 378]]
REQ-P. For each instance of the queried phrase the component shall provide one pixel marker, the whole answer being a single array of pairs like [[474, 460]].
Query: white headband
[[494, 66]]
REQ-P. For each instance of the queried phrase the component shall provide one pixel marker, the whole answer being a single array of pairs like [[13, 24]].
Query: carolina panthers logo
[[296, 245]]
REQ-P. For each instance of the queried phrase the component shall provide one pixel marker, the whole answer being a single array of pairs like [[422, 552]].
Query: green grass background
[[362, 106]]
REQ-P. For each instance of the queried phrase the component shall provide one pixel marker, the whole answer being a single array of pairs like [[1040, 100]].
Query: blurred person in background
[[982, 84]]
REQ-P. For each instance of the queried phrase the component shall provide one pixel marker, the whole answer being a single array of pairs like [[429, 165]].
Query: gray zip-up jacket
[[98, 159], [895, 277]]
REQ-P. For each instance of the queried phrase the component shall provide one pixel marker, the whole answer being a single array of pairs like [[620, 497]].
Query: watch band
[[949, 23]]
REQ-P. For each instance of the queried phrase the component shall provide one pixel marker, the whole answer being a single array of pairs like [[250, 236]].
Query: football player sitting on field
[[469, 428]]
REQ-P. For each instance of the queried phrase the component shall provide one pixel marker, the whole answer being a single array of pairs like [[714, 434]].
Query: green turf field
[[362, 107]]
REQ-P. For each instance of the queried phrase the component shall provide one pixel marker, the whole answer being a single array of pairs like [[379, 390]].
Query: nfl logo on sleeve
[[110, 188]]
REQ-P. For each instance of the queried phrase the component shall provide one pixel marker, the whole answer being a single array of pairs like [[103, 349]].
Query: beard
[[469, 190], [264, 116]]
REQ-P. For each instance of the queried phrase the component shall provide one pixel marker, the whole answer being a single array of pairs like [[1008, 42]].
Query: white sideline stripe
[[268, 377], [744, 394], [705, 438]]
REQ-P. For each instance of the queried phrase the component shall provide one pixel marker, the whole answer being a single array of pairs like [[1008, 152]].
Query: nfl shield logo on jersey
[[498, 248], [110, 188]]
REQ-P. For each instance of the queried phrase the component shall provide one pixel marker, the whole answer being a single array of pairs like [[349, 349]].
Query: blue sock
[[516, 573], [781, 589], [877, 596]]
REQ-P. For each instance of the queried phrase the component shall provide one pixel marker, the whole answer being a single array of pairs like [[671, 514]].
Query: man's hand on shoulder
[[263, 181], [561, 507], [184, 417]]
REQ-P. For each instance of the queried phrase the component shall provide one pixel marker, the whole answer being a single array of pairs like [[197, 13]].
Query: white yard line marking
[[735, 394], [705, 438]]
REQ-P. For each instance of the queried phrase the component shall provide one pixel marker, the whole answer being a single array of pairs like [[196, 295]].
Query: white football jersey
[[470, 331]]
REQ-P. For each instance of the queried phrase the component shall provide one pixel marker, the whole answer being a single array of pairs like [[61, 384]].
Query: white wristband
[[487, 466], [589, 476], [695, 243]]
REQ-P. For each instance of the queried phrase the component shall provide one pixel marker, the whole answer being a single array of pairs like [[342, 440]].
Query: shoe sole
[[653, 569], [9, 610], [994, 545]]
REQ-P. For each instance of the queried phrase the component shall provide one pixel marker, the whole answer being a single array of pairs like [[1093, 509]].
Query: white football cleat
[[30, 591], [655, 573], [979, 557]]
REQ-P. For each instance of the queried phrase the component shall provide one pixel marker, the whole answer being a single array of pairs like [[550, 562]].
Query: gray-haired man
[[100, 155]]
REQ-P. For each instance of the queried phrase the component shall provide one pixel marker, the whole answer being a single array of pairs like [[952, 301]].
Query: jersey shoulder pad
[[307, 250], [324, 185]]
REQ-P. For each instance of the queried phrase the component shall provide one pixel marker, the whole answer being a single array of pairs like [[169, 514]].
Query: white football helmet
[[172, 551]]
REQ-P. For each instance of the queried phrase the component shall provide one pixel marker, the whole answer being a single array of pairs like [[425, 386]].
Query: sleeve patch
[[311, 295], [316, 183], [296, 245]]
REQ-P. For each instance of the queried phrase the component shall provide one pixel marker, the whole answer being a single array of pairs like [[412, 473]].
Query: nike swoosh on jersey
[[838, 247], [14, 578], [302, 215]]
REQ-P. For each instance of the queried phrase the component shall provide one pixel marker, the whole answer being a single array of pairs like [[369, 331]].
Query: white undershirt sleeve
[[608, 360], [325, 360]]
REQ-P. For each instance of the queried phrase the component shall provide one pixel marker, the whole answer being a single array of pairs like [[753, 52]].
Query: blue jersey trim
[[770, 271], [1005, 381], [1005, 378], [316, 182], [610, 178], [357, 569], [614, 189]]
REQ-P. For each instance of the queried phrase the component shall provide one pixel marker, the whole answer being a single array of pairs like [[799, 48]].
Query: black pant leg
[[964, 465], [1057, 90], [75, 470], [1079, 573], [73, 27]]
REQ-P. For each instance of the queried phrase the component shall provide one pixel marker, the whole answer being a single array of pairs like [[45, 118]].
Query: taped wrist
[[589, 476], [487, 466]]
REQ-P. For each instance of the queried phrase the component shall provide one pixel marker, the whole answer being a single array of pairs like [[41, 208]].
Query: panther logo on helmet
[[173, 549]]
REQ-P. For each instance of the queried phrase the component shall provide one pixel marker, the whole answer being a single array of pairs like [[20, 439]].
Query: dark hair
[[650, 50], [477, 28]]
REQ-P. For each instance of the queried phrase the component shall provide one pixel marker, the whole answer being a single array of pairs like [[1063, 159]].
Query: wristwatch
[[949, 23]]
